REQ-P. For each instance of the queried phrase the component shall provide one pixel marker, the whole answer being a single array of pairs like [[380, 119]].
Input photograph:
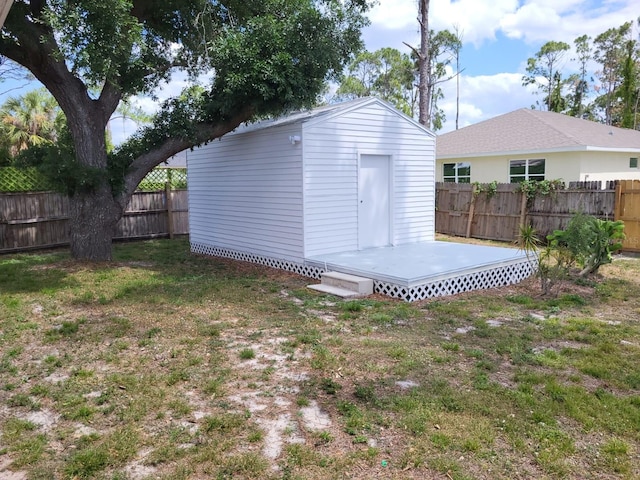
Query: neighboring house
[[339, 178], [533, 144]]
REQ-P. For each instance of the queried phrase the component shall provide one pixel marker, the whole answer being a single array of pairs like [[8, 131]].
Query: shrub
[[550, 262], [589, 240]]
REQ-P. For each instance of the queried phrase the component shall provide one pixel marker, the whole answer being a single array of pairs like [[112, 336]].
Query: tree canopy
[[30, 120], [546, 65], [608, 93], [262, 57], [395, 76]]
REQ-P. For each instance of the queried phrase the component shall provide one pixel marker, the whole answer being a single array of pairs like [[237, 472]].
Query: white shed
[[345, 177]]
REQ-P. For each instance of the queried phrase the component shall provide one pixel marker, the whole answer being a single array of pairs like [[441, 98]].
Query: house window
[[457, 172], [530, 169], [633, 162]]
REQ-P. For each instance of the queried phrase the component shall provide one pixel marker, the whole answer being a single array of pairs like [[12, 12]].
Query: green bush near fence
[[29, 180]]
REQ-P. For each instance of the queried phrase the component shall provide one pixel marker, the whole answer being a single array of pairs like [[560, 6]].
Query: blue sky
[[498, 37]]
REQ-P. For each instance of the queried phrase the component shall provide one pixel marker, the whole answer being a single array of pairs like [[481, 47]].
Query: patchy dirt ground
[[228, 370]]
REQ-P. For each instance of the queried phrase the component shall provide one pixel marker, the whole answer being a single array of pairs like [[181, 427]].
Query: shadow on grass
[[160, 270], [27, 273]]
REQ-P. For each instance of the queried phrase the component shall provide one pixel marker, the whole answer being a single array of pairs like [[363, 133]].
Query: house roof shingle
[[529, 131]]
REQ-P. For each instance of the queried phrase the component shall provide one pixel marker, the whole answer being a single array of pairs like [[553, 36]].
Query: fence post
[[167, 192], [617, 206], [472, 208], [523, 212]]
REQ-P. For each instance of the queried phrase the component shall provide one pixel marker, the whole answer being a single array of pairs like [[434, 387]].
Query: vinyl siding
[[331, 150], [245, 193]]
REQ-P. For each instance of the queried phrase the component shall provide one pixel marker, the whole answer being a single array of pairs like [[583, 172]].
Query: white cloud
[[483, 97], [477, 20], [394, 14], [533, 21], [530, 22]]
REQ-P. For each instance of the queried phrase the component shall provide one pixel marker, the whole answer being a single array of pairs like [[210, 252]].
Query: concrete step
[[337, 291], [361, 285]]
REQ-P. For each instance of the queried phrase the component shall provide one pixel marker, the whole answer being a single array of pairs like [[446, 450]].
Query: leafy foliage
[[587, 241], [393, 76], [532, 188], [29, 120], [551, 262], [546, 64], [385, 73], [590, 241], [489, 189], [608, 93], [249, 59], [58, 163]]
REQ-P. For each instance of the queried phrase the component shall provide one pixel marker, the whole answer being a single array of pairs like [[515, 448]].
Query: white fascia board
[[577, 148], [615, 150], [341, 111]]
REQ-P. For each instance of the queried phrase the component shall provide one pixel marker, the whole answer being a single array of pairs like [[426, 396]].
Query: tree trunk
[[424, 64], [92, 221]]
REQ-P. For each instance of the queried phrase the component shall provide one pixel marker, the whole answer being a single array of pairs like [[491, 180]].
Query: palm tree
[[33, 119]]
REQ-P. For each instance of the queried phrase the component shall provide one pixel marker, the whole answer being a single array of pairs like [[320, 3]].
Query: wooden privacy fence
[[628, 210], [498, 215], [40, 219]]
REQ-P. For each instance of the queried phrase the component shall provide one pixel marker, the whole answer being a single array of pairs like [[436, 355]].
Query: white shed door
[[374, 212]]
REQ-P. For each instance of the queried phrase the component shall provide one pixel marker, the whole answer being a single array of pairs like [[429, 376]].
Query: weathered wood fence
[[463, 211], [628, 210], [40, 219]]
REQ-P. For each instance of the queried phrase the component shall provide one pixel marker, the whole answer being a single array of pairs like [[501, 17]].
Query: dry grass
[[173, 366]]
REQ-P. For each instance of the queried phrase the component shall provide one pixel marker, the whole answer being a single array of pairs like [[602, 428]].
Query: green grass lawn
[[175, 366]]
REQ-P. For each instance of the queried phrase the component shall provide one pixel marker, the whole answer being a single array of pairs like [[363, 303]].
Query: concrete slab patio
[[430, 269]]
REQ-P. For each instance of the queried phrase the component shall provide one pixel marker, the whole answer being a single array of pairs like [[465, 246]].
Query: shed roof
[[529, 131], [324, 113]]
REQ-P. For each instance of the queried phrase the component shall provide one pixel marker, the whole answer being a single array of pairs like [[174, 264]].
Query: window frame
[[633, 162], [527, 175], [456, 177]]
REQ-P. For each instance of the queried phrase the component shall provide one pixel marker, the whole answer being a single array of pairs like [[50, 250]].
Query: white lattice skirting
[[300, 269], [498, 276], [479, 280]]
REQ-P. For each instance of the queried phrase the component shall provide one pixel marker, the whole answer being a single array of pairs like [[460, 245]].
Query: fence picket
[[40, 220], [498, 216]]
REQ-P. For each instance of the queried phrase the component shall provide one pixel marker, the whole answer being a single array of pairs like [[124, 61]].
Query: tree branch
[[413, 49], [171, 146], [109, 99]]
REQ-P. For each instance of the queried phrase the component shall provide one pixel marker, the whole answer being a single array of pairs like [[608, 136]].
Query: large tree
[[362, 74], [423, 61], [579, 84], [264, 57], [628, 92], [385, 73], [610, 53], [444, 48], [436, 52], [543, 70]]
